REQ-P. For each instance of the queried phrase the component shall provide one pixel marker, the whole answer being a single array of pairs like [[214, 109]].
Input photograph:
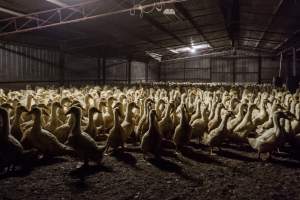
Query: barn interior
[[159, 99]]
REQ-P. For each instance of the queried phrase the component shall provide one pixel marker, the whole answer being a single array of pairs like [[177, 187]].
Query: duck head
[[21, 109], [93, 110], [75, 110]]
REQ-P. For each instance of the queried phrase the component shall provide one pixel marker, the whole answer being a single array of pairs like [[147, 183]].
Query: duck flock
[[74, 121]]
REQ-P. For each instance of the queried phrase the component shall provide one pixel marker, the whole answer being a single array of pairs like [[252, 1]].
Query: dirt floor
[[194, 174]]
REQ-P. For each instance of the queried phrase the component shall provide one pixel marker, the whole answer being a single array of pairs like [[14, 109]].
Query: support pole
[[129, 72], [234, 70], [103, 70], [280, 65], [259, 69], [294, 62], [147, 72], [210, 69], [62, 67], [184, 70], [159, 72], [98, 70]]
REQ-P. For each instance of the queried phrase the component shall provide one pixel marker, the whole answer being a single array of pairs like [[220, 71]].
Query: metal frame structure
[[64, 15]]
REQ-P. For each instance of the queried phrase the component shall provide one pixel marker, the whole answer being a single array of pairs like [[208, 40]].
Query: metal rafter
[[65, 15], [180, 7], [270, 22]]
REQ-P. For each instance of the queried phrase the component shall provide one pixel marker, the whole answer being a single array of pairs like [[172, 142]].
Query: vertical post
[[184, 70], [98, 70], [62, 67], [210, 69], [294, 62], [103, 70], [147, 72], [233, 70], [159, 72], [129, 72], [259, 69], [280, 65]]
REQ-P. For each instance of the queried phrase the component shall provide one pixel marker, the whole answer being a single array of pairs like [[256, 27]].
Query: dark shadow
[[198, 156], [165, 165], [125, 157], [169, 166], [285, 163], [198, 145], [85, 171], [235, 156], [239, 147], [168, 144], [19, 172], [133, 149], [49, 161]]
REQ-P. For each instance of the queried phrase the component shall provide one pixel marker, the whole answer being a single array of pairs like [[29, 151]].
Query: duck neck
[[77, 124], [276, 121], [6, 126], [53, 113], [37, 125], [128, 116], [116, 120], [28, 102], [91, 120], [224, 122], [16, 122]]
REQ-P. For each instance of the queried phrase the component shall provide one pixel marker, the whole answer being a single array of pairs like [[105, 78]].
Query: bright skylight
[[192, 48]]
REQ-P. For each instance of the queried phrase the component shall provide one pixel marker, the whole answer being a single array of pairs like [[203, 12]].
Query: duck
[[197, 114], [200, 126], [165, 125], [246, 126], [54, 120], [151, 140], [84, 145], [262, 116], [216, 136], [91, 128], [271, 138], [160, 103], [143, 122], [11, 149], [108, 116], [182, 134], [116, 133], [128, 123], [16, 129], [43, 140], [212, 124], [231, 124]]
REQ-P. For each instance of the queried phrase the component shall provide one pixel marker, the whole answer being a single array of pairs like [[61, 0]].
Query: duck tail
[[252, 142]]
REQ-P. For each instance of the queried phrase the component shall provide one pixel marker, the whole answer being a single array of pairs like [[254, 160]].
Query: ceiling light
[[192, 50]]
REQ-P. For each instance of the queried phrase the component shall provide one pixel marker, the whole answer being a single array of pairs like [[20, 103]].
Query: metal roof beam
[[270, 22], [180, 7]]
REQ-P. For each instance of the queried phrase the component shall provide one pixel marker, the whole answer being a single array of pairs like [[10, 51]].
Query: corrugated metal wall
[[20, 64], [116, 71], [81, 70], [138, 72], [220, 69]]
